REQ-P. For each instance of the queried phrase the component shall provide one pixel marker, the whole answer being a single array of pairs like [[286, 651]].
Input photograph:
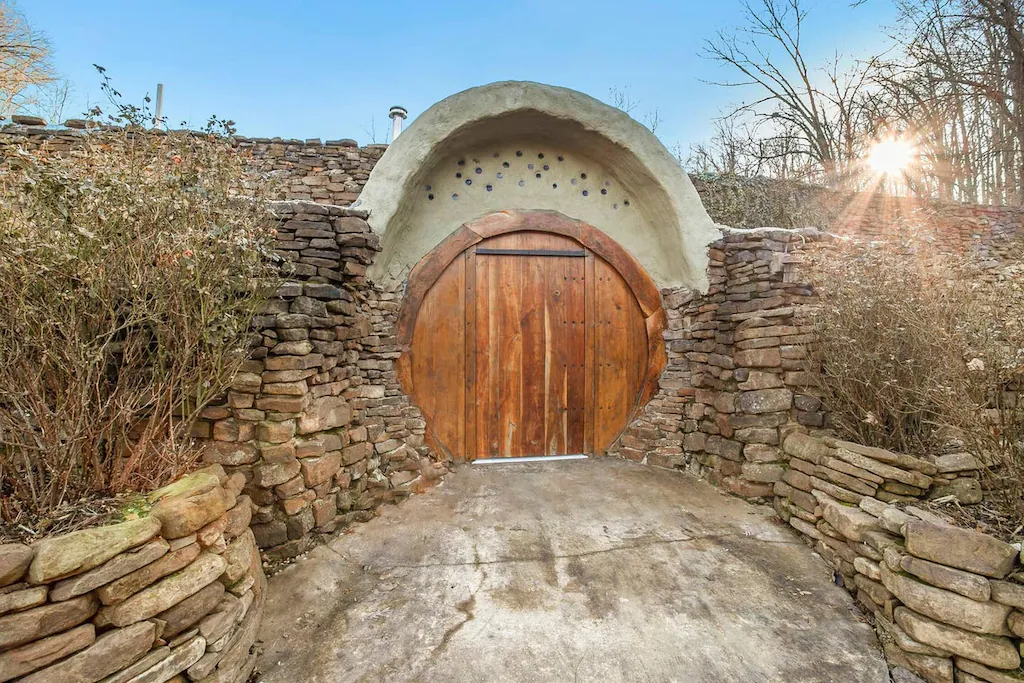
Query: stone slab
[[190, 610], [147, 662], [985, 673], [14, 561], [180, 659], [80, 551], [881, 455], [23, 627], [110, 570], [111, 652], [28, 658], [994, 651], [1008, 593], [182, 516], [954, 547], [23, 599], [851, 522], [946, 606], [140, 578], [167, 592], [967, 584], [883, 470]]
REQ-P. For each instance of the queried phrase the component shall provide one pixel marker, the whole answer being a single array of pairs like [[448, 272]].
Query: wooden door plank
[[555, 361], [499, 356], [576, 381], [436, 360], [621, 356], [533, 334], [643, 288], [590, 356], [423, 277], [471, 449]]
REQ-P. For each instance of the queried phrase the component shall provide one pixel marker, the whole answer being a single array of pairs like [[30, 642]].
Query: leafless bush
[[996, 331], [131, 269], [889, 340], [912, 342]]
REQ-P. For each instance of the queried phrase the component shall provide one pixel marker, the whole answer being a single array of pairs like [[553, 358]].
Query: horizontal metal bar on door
[[529, 458], [531, 252]]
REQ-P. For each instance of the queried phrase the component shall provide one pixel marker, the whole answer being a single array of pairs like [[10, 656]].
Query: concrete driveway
[[598, 570]]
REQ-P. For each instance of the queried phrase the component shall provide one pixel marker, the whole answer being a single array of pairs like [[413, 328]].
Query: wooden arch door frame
[[433, 265]]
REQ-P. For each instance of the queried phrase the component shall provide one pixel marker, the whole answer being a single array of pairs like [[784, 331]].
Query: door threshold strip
[[528, 458]]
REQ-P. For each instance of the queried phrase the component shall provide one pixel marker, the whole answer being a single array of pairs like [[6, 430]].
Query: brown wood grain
[[424, 275], [470, 451], [529, 317], [590, 361], [621, 353], [438, 357], [495, 224], [570, 385], [644, 289], [529, 354]]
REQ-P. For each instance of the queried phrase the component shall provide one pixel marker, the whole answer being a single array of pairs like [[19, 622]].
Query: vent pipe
[[158, 114], [397, 115]]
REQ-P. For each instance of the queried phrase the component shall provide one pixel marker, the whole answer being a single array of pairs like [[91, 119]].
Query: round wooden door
[[527, 343]]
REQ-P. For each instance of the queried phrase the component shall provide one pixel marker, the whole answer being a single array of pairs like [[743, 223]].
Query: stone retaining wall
[[948, 602], [334, 172], [755, 202], [316, 422], [174, 595], [331, 172], [736, 380]]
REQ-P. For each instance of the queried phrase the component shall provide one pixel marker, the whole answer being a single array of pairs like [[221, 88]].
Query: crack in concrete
[[589, 553], [467, 607], [340, 555]]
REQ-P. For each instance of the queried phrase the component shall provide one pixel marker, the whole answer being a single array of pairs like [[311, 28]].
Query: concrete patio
[[599, 570]]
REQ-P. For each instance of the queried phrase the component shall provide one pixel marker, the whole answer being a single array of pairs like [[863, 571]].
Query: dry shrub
[[889, 338], [132, 269], [996, 331], [915, 345]]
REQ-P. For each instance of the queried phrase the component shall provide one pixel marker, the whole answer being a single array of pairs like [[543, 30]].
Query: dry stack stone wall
[[335, 171], [316, 422], [736, 380], [948, 602], [331, 172], [174, 595]]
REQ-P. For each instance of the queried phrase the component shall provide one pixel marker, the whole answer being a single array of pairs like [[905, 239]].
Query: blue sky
[[331, 69]]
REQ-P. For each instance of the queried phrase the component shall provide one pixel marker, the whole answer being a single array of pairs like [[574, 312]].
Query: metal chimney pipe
[[158, 113], [397, 115]]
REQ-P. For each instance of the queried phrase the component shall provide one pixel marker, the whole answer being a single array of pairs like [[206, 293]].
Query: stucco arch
[[517, 145]]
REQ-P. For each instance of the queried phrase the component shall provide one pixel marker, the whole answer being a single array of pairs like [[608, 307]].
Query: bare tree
[[816, 110], [967, 58], [622, 98], [24, 61], [740, 147], [373, 134], [51, 100], [952, 84]]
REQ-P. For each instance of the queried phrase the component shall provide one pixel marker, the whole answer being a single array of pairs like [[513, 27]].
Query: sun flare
[[891, 156]]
